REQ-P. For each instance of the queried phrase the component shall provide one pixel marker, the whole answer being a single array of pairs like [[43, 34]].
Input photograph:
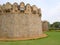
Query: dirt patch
[[34, 37]]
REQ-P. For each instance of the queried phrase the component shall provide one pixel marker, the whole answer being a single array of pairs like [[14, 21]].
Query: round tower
[[26, 25]]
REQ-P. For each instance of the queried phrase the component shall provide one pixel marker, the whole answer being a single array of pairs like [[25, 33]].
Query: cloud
[[52, 14], [50, 8]]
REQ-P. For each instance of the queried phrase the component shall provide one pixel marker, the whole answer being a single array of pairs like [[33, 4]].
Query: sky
[[50, 8]]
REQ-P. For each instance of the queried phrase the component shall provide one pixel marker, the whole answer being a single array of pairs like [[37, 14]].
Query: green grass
[[52, 39]]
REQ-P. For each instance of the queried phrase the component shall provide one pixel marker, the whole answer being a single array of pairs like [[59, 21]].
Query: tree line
[[54, 26]]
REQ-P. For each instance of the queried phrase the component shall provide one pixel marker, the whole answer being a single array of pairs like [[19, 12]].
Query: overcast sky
[[50, 8]]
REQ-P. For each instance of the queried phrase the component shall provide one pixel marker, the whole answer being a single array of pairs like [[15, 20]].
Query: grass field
[[52, 39]]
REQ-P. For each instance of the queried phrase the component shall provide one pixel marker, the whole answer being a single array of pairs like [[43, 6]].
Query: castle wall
[[45, 26], [20, 25], [21, 21]]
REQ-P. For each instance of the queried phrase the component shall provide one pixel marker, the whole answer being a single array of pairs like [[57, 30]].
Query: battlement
[[22, 8], [20, 21]]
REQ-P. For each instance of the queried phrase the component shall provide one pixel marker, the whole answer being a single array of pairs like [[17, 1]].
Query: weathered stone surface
[[20, 25], [45, 26], [20, 21]]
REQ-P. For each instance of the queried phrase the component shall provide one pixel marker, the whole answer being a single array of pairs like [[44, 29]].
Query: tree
[[55, 26]]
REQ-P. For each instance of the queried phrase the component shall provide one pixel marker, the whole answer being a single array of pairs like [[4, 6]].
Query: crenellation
[[39, 12], [22, 8], [28, 9], [20, 21], [8, 5], [1, 11], [15, 8], [35, 9]]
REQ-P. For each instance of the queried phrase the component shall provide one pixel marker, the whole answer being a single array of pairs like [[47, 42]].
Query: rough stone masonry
[[20, 21]]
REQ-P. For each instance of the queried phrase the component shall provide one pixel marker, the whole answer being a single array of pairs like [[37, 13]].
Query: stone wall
[[45, 26], [20, 25], [22, 8], [20, 21]]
